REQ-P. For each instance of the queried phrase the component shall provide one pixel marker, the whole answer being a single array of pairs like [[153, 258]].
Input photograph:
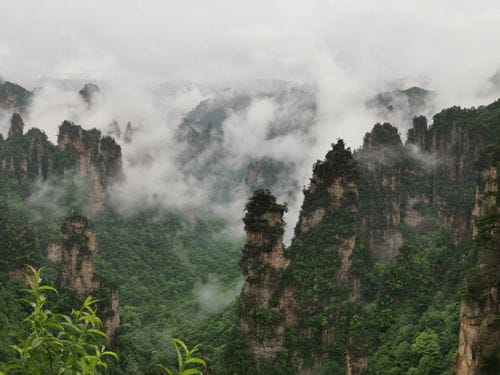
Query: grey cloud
[[345, 51]]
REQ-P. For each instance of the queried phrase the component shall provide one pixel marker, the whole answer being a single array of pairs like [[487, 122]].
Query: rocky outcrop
[[326, 233], [14, 97], [262, 319], [78, 273], [27, 155], [77, 261], [479, 343], [359, 209], [16, 126], [381, 162], [447, 151], [96, 160], [273, 303]]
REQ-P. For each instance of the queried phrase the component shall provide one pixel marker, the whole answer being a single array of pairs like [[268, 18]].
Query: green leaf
[[36, 342], [112, 354], [97, 332], [197, 361], [181, 344], [191, 371], [47, 287], [166, 369]]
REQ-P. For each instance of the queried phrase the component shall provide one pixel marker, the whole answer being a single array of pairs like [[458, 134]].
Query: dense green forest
[[395, 307], [161, 263]]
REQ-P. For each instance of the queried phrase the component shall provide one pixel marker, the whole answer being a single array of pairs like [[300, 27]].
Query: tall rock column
[[263, 262], [479, 343], [79, 250], [78, 273]]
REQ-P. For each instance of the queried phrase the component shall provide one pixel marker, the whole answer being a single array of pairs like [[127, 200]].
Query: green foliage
[[66, 158], [57, 343], [12, 312], [187, 363], [17, 245], [261, 202], [160, 258], [383, 135]]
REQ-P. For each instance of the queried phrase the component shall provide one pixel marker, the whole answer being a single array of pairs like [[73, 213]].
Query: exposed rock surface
[[16, 126], [479, 343], [14, 97], [95, 160], [77, 261], [78, 272], [262, 323], [98, 159], [356, 211]]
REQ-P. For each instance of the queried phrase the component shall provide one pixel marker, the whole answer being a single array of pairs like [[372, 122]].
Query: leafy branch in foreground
[[57, 343], [185, 359]]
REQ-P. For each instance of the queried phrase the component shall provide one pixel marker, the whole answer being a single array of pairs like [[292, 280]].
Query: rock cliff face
[[95, 160], [321, 257], [263, 262], [78, 249], [14, 97], [451, 146], [357, 210], [381, 164], [27, 155], [479, 345]]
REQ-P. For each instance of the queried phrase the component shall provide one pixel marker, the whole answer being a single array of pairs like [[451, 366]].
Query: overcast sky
[[348, 49], [226, 40]]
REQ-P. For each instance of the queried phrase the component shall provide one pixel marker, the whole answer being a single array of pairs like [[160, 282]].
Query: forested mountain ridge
[[383, 240], [159, 261], [381, 263]]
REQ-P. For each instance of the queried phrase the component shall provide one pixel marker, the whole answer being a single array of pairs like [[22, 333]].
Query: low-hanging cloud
[[212, 296], [345, 51]]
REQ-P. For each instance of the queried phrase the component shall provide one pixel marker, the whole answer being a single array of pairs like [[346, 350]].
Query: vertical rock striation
[[78, 273], [479, 343], [96, 160], [263, 263], [357, 210], [77, 261]]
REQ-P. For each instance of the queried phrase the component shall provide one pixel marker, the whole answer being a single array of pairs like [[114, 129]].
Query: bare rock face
[[16, 126], [381, 163], [417, 135], [111, 314], [326, 230], [479, 343], [448, 150], [79, 251], [262, 320], [93, 160], [27, 155], [78, 273], [39, 154], [54, 252], [6, 159], [98, 159], [356, 210], [14, 97]]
